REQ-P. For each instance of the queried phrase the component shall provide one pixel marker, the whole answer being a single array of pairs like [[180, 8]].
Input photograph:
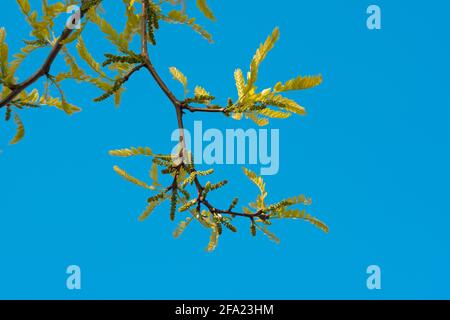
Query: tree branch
[[132, 71], [162, 84], [42, 71], [45, 68], [148, 63], [180, 106]]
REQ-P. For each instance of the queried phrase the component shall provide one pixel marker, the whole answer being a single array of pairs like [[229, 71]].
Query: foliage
[[123, 59]]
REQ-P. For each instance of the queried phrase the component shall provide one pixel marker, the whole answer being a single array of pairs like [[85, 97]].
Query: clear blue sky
[[373, 153]]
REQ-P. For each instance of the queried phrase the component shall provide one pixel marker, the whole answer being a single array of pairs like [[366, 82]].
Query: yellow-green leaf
[[132, 179], [260, 121], [187, 205], [132, 25], [201, 92], [148, 210], [260, 55], [181, 227], [257, 180], [3, 54], [303, 215], [139, 151], [301, 199], [213, 240], [274, 114], [269, 234], [180, 77], [24, 6], [176, 16], [87, 57], [109, 31], [286, 104], [204, 8], [154, 175], [20, 133], [299, 83], [240, 82]]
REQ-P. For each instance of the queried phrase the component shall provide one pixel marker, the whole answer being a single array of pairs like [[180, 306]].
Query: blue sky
[[373, 153]]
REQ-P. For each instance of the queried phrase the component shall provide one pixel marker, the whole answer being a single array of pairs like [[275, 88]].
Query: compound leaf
[[20, 133]]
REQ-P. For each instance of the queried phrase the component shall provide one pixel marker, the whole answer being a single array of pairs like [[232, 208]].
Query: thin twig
[[132, 71], [209, 110], [180, 107]]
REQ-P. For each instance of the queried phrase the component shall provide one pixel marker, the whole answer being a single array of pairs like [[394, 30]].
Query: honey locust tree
[[184, 190]]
